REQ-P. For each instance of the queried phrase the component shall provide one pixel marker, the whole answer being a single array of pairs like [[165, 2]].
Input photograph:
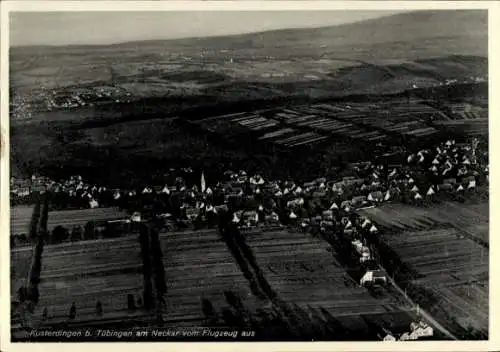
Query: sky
[[63, 28]]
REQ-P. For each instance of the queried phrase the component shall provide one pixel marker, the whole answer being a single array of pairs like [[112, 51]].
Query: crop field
[[20, 263], [303, 271], [85, 272], [300, 125], [438, 244], [274, 130], [471, 219], [20, 217], [453, 268], [198, 265], [406, 119], [474, 127], [440, 255]]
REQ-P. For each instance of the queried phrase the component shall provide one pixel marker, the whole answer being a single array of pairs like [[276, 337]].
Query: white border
[[54, 6]]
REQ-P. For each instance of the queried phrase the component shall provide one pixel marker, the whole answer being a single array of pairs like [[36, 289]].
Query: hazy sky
[[61, 28]]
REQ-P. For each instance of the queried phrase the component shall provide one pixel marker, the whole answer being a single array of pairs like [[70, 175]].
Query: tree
[[36, 267], [89, 230], [59, 234], [76, 233], [130, 302], [146, 267], [208, 310], [35, 218], [98, 308], [158, 268]]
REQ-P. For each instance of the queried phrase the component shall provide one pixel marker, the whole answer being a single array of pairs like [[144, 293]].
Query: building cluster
[[449, 169], [86, 97], [20, 108], [418, 330]]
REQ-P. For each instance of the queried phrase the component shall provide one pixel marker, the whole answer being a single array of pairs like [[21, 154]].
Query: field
[[469, 219], [84, 272], [303, 271], [440, 245], [20, 217], [198, 265], [304, 126], [473, 127]]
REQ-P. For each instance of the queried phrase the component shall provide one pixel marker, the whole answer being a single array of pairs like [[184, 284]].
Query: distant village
[[74, 97]]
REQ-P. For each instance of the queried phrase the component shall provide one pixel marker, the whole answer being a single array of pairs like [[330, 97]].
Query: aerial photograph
[[249, 175]]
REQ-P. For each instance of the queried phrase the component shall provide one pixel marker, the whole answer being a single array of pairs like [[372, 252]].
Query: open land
[[84, 272], [439, 245], [20, 217]]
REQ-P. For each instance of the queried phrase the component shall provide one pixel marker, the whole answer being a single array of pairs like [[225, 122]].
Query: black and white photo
[[253, 176]]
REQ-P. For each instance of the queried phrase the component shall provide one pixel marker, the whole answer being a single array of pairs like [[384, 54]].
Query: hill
[[288, 55]]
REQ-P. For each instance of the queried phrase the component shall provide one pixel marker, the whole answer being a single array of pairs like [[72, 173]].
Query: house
[[469, 179], [393, 173], [250, 218], [472, 184], [192, 212], [237, 217], [257, 180], [310, 185], [450, 181], [295, 202], [365, 222], [404, 337], [359, 165], [319, 194], [21, 191], [445, 187], [423, 329], [272, 217], [353, 182], [338, 187], [320, 180], [376, 196], [389, 338], [345, 204], [334, 206], [221, 208], [387, 196], [373, 278], [136, 217], [359, 201], [430, 191], [327, 215]]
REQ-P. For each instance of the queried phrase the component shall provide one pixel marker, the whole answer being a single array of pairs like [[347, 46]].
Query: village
[[450, 171]]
